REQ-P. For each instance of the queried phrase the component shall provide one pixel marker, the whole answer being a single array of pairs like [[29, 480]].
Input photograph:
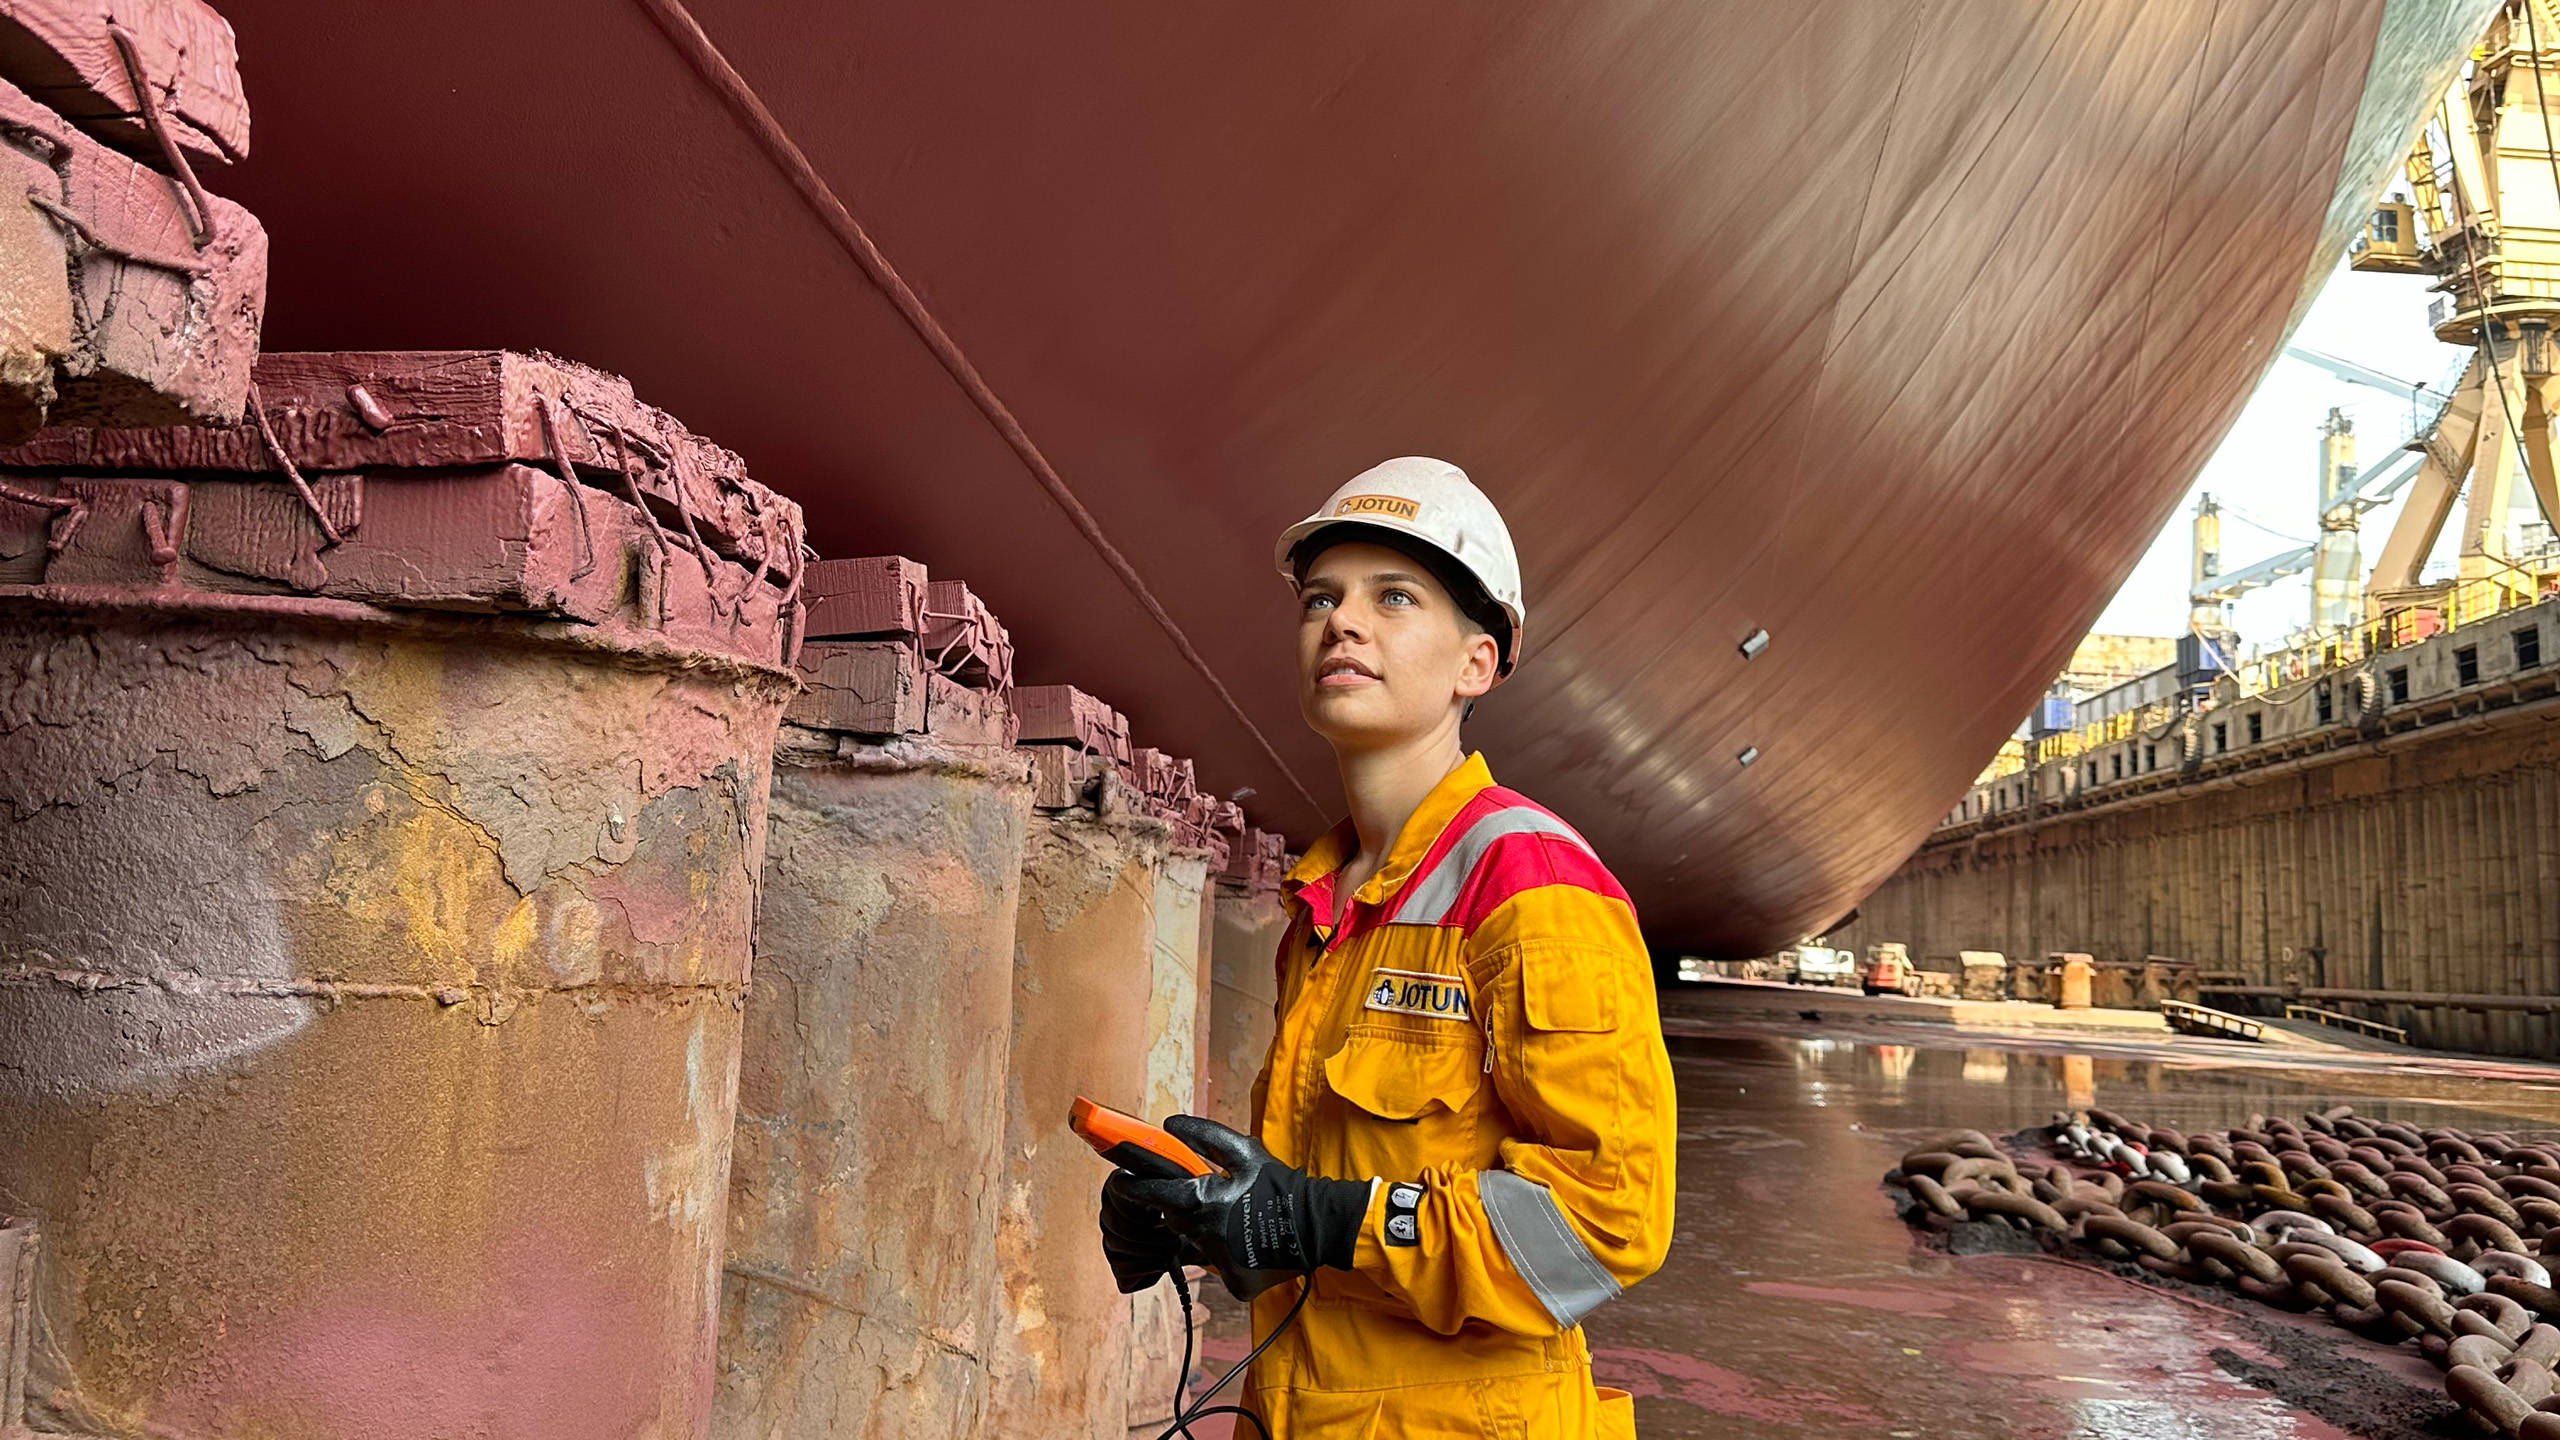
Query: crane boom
[[2353, 373], [2256, 577]]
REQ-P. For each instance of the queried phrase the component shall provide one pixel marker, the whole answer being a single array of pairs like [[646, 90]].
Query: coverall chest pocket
[[1409, 1098]]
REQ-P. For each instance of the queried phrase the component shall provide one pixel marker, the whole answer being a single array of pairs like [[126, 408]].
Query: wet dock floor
[[1795, 1303]]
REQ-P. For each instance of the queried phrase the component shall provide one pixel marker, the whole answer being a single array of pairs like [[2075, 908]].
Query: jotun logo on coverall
[[1413, 992]]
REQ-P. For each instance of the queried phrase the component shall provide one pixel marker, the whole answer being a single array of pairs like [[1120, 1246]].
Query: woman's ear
[[1482, 668]]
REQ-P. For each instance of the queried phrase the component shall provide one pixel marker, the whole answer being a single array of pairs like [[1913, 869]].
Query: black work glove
[[1257, 1222], [1134, 1237]]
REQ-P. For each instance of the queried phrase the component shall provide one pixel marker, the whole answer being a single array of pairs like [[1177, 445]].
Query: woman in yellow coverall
[[1465, 1127]]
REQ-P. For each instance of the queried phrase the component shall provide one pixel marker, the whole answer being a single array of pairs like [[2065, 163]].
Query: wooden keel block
[[112, 315], [1065, 715], [131, 532], [1257, 859], [874, 595], [861, 687], [1063, 777], [964, 715], [1166, 788], [504, 539], [963, 638], [60, 52], [463, 408], [1198, 830]]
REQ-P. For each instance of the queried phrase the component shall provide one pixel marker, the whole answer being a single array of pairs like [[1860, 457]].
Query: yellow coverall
[[1479, 1034]]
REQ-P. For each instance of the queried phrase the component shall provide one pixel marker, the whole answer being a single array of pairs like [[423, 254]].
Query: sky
[[2265, 475]]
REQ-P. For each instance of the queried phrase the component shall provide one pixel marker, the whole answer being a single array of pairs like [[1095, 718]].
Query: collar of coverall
[[1310, 881]]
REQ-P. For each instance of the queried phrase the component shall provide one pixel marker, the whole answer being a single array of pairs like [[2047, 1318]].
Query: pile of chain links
[[2398, 1234]]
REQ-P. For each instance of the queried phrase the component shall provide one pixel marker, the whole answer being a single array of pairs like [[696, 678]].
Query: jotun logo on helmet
[[1395, 505]]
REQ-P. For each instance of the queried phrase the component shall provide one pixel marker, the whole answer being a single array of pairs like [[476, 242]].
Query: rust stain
[[1248, 926], [364, 1094], [1081, 980], [861, 1269]]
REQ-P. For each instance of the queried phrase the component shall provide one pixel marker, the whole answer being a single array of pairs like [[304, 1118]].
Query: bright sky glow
[[2265, 473]]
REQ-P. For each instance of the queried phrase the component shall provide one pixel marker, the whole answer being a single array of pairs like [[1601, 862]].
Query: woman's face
[[1384, 653]]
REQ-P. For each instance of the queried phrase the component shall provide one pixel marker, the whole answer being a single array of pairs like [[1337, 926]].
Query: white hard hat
[[1434, 502]]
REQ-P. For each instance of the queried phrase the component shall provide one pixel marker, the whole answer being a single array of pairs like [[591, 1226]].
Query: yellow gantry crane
[[2484, 220]]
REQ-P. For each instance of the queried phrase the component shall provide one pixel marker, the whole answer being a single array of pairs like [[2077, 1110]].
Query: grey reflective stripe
[[1427, 901], [1566, 1277]]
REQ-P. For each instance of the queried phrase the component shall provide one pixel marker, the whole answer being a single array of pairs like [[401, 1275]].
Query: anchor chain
[[2398, 1234]]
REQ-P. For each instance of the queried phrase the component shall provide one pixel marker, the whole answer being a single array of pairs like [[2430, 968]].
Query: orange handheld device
[[1143, 1150]]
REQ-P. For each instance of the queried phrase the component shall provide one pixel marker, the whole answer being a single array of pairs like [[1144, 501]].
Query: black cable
[[1182, 1377], [1182, 1419]]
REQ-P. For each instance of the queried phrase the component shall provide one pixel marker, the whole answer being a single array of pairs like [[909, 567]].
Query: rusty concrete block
[[1247, 929], [1206, 941], [1173, 995], [1059, 1363], [113, 314], [370, 988], [963, 638], [874, 595], [863, 687], [1173, 1014], [60, 52], [424, 410], [859, 1300], [18, 1253]]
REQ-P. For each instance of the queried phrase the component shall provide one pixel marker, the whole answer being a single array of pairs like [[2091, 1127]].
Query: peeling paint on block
[[369, 1016], [1081, 980], [861, 1270]]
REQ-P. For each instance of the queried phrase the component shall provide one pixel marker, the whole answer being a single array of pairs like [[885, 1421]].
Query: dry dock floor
[[1795, 1303]]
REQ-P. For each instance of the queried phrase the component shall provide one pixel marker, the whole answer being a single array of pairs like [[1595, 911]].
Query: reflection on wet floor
[[1795, 1303]]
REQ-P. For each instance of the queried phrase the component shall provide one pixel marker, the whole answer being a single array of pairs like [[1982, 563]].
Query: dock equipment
[[2197, 1019], [2375, 1028]]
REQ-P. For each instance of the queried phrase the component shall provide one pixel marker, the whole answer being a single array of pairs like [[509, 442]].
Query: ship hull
[[1893, 329]]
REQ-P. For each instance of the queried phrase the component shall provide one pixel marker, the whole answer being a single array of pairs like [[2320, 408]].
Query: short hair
[[1477, 609]]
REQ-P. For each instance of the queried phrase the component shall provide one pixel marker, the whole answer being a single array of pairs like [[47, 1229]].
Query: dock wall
[[2400, 860]]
